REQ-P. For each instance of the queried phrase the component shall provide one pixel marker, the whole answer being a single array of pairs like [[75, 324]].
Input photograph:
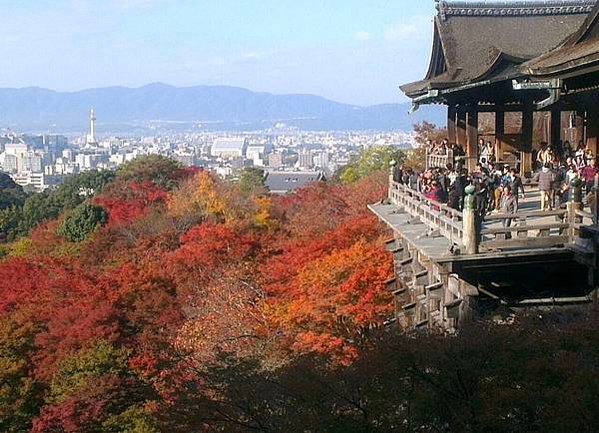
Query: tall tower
[[91, 139]]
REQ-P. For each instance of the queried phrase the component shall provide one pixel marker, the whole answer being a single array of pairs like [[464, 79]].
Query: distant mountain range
[[214, 107]]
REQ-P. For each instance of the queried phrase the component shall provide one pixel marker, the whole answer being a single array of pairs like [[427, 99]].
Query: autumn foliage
[[113, 332]]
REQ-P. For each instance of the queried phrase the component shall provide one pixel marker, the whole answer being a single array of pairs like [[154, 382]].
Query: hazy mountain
[[217, 107]]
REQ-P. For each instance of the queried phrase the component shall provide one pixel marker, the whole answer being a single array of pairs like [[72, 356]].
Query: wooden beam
[[451, 124], [472, 138]]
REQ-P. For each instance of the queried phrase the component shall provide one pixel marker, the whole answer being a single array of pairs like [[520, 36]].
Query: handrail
[[437, 216], [531, 214], [520, 230]]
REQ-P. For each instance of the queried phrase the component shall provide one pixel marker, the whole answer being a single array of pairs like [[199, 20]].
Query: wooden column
[[461, 127], [499, 132], [472, 138], [526, 145], [580, 120], [592, 130], [451, 124], [556, 127]]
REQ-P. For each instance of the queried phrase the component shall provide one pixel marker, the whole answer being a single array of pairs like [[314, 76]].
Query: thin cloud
[[415, 27], [362, 36]]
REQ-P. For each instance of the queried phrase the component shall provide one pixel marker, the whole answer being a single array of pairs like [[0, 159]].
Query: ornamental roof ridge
[[448, 8]]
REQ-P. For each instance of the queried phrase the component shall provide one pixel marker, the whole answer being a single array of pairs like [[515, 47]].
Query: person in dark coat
[[517, 185], [457, 191], [546, 178]]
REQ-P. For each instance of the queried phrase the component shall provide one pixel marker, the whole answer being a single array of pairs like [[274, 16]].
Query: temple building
[[538, 59], [531, 61]]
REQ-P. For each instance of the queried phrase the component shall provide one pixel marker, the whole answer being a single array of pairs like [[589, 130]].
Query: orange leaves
[[336, 296]]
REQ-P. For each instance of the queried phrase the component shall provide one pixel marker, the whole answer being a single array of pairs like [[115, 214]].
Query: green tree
[[19, 219], [153, 168], [369, 161], [251, 181], [82, 221], [11, 194]]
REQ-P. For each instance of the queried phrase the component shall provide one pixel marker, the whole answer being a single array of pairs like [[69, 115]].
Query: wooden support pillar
[[556, 127], [580, 121], [472, 138], [470, 234], [451, 124], [592, 130], [527, 138], [461, 127], [499, 133]]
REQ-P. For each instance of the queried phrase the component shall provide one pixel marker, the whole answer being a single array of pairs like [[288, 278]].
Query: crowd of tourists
[[499, 187]]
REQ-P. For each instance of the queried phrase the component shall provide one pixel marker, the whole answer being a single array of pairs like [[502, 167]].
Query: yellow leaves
[[205, 196], [21, 248], [202, 194], [263, 217]]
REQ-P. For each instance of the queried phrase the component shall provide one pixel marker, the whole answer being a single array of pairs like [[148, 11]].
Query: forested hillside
[[162, 299]]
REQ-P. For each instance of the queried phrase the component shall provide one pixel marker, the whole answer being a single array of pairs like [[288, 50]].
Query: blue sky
[[355, 51]]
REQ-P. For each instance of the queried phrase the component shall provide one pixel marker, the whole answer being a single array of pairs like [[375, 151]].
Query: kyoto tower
[[91, 139]]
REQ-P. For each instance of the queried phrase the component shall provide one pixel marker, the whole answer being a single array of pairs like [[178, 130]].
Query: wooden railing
[[434, 160], [500, 231], [437, 216], [525, 230]]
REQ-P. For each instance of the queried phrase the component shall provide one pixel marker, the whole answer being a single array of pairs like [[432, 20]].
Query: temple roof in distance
[[486, 41]]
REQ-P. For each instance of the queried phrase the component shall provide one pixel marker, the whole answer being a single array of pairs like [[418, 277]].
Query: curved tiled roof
[[478, 40], [507, 9], [580, 49]]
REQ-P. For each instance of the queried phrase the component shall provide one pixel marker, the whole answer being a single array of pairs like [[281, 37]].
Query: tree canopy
[[82, 221], [201, 306], [370, 161]]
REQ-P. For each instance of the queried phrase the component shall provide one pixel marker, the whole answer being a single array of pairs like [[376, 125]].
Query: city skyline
[[345, 51]]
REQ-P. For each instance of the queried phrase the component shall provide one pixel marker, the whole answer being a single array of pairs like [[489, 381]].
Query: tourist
[[509, 206], [579, 155], [568, 151], [516, 184], [457, 191], [481, 181], [588, 174], [498, 190], [413, 180], [545, 155], [546, 179]]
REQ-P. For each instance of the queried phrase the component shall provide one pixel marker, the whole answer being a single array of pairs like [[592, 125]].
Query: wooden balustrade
[[437, 216], [498, 231], [524, 230]]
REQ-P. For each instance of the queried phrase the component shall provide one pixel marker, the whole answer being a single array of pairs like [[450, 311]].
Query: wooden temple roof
[[478, 42], [579, 52]]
